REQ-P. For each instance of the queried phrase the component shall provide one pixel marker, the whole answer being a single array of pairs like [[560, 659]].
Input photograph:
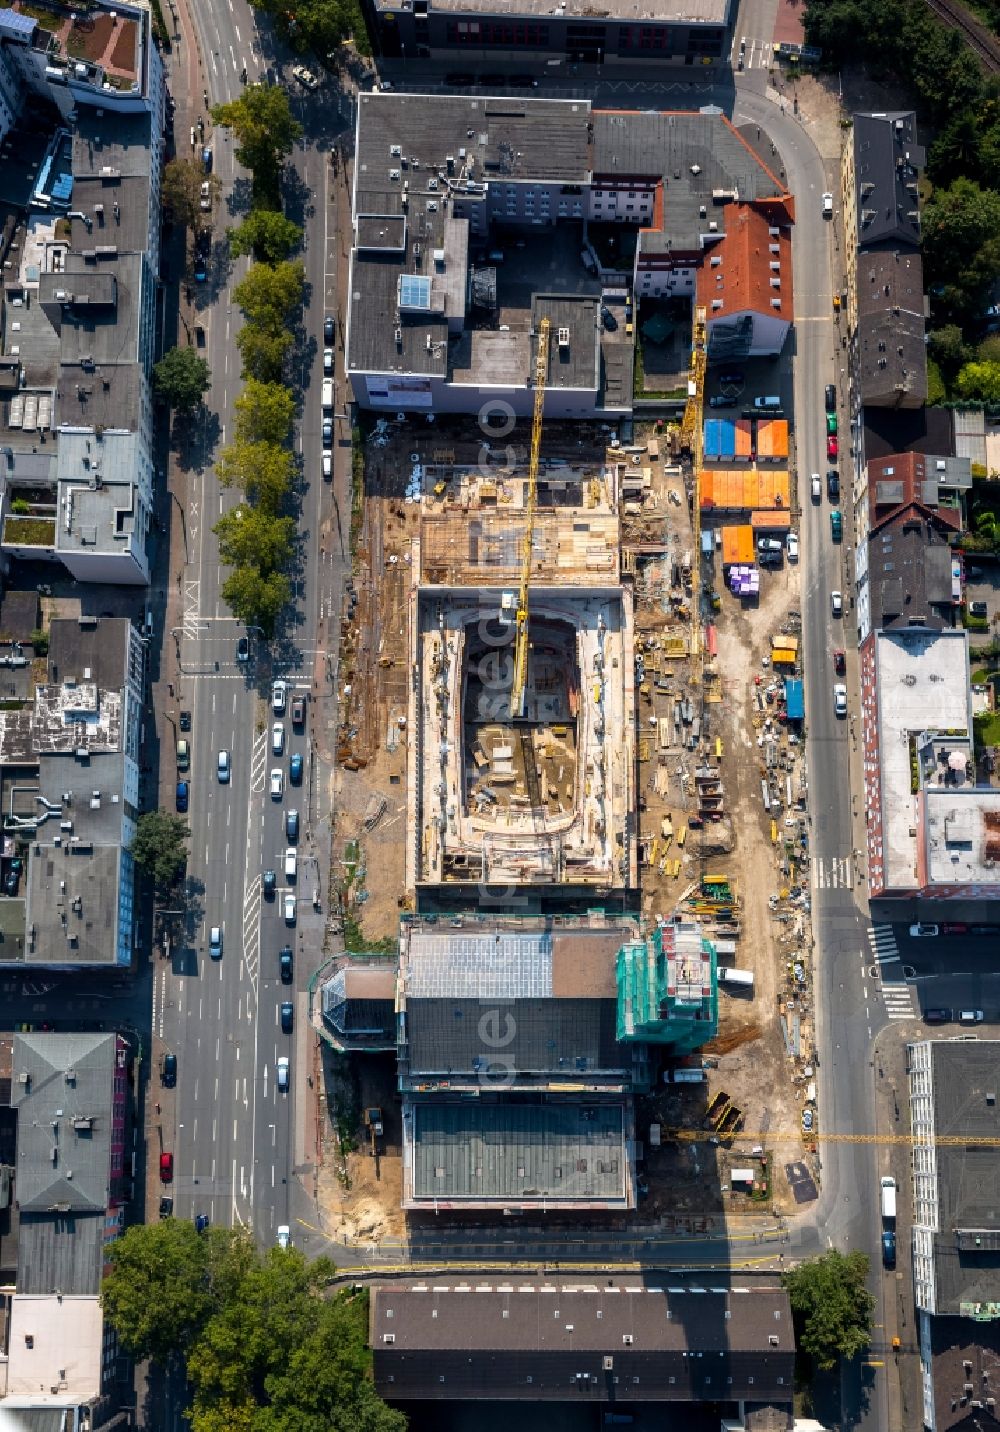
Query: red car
[[839, 662], [166, 1168], [955, 928], [831, 448]]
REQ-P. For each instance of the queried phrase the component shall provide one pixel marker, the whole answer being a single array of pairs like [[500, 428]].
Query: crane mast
[[518, 689]]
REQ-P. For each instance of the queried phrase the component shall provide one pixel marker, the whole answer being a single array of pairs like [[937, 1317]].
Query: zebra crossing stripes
[[882, 939], [899, 1000], [832, 874]]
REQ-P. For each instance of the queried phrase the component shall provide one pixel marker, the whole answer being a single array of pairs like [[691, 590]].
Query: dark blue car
[[182, 796], [295, 769], [889, 1248]]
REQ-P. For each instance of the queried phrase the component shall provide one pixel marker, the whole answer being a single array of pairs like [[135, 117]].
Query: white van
[[736, 977], [768, 403], [327, 394], [291, 863]]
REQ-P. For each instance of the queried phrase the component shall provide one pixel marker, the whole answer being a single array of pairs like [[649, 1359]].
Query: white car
[[279, 696], [327, 466], [289, 908], [792, 546], [215, 942], [282, 1080], [305, 77], [278, 737], [827, 206], [837, 604], [284, 1236], [327, 360], [840, 699], [277, 783], [923, 931], [205, 203], [816, 488], [224, 767]]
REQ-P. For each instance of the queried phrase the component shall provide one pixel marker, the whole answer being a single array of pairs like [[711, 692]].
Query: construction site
[[548, 654]]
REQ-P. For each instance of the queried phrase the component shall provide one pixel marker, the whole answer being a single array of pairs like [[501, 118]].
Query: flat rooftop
[[55, 1342], [482, 1154], [962, 837], [72, 904], [693, 12], [461, 1338], [923, 687]]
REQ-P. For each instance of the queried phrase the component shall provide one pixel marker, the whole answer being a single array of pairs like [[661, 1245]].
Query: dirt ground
[[359, 1196]]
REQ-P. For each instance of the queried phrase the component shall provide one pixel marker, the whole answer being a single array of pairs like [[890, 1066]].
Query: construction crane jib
[[519, 685]]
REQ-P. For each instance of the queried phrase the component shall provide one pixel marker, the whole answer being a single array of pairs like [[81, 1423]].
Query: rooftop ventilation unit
[[564, 338]]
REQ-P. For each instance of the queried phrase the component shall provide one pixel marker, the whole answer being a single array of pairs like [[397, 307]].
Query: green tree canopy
[[979, 382], [251, 537], [160, 846], [264, 412], [265, 234], [948, 348], [181, 192], [264, 127], [256, 596], [156, 1296], [262, 470], [263, 354], [961, 244], [831, 1306], [270, 294], [182, 377], [319, 25]]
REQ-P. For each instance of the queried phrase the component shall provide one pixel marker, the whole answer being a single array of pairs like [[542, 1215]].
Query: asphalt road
[[236, 1138]]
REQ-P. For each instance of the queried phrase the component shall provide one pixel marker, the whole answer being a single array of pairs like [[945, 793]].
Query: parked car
[[285, 964], [792, 546], [166, 1206], [292, 824], [183, 753], [279, 696], [721, 401], [277, 783], [731, 376], [816, 487], [305, 77], [328, 328], [181, 797], [224, 768], [888, 1248], [299, 711], [978, 609], [937, 1016], [836, 604], [827, 206], [327, 360], [831, 425], [768, 544], [287, 1016], [295, 769], [831, 398], [970, 1016], [270, 884], [328, 432], [289, 908], [955, 927], [215, 942], [206, 159], [833, 484], [840, 662], [922, 931], [184, 720], [243, 649], [840, 699], [205, 202], [166, 1168], [283, 1074], [278, 738], [291, 862], [327, 467], [832, 448], [168, 1071], [608, 319], [836, 524]]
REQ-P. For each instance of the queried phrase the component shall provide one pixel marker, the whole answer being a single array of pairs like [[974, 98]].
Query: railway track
[[979, 39]]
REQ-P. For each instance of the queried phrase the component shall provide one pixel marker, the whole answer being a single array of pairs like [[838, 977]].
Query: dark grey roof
[[19, 615], [666, 145], [564, 1040], [890, 350], [72, 895], [126, 229], [887, 161], [953, 1343], [522, 1337], [577, 363], [375, 316], [495, 1152], [65, 1105], [892, 430], [359, 1006], [100, 647], [60, 1252], [964, 1084], [909, 573]]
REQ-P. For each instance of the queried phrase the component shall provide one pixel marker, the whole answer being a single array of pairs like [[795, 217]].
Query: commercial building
[[652, 205], [601, 1342], [538, 37], [79, 310], [956, 1229], [69, 778]]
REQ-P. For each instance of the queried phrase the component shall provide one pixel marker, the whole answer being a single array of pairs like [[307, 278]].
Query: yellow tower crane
[[518, 689], [692, 437]]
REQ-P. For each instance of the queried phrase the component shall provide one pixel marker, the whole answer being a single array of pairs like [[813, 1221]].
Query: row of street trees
[[958, 108], [256, 538], [267, 1344]]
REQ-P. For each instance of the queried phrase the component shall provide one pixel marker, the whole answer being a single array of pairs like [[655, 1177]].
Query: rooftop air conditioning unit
[[563, 338]]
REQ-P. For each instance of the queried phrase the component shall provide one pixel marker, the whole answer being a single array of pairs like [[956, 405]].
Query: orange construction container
[[737, 545], [773, 521], [744, 440]]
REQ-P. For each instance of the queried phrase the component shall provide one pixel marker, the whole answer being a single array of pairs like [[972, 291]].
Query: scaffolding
[[667, 988]]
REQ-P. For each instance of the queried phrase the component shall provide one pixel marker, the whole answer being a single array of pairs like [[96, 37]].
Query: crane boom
[[519, 684]]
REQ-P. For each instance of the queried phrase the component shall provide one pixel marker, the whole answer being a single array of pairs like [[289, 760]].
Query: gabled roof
[[749, 269]]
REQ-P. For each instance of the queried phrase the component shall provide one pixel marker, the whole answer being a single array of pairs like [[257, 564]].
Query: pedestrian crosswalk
[[833, 873], [900, 998]]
